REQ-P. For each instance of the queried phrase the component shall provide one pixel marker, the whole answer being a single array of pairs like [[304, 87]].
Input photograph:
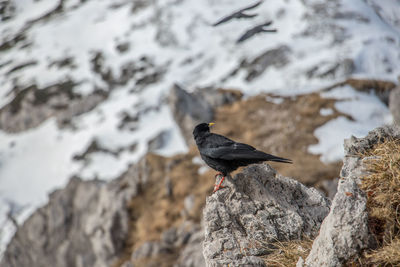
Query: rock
[[84, 224], [277, 57], [179, 246], [300, 262], [127, 264], [159, 141], [381, 88], [218, 97], [258, 207], [189, 203], [344, 232], [192, 254], [394, 105], [332, 70], [329, 187], [32, 105], [354, 146], [149, 249], [190, 109]]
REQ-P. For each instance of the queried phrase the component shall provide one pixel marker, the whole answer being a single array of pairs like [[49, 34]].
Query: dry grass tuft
[[382, 186], [283, 254], [388, 255]]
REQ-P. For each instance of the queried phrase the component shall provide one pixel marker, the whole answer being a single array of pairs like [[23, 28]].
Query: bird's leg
[[218, 173], [219, 186]]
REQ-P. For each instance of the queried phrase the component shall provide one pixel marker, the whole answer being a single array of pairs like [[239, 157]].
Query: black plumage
[[238, 14], [255, 30], [225, 155]]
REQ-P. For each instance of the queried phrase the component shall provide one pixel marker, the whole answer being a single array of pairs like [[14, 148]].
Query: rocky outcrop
[[394, 104], [84, 224], [277, 57], [341, 68], [190, 109], [180, 247], [32, 105], [344, 232], [147, 217], [258, 207]]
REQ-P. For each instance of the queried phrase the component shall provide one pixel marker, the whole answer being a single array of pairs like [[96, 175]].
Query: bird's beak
[[211, 124]]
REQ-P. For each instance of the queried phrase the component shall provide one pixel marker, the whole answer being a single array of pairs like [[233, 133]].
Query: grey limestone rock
[[218, 97], [32, 105], [190, 109], [277, 57], [84, 224], [344, 232], [354, 146], [184, 242], [258, 207], [192, 253], [394, 104]]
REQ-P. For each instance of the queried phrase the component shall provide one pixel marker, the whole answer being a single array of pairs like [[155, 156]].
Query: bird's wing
[[238, 14], [237, 151], [225, 19], [253, 31], [267, 23], [252, 6], [220, 147]]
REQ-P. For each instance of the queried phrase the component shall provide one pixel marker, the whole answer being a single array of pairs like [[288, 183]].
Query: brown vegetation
[[382, 185], [284, 254], [284, 129], [160, 203]]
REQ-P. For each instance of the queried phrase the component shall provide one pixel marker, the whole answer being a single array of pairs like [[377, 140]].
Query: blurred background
[[95, 89]]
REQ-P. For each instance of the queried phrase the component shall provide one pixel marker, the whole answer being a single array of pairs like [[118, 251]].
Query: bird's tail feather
[[278, 159]]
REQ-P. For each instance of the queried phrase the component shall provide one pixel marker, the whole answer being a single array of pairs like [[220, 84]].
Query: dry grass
[[382, 186], [283, 254], [155, 210], [284, 129], [388, 255]]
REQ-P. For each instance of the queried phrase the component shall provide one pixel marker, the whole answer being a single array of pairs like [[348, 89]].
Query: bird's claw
[[217, 187]]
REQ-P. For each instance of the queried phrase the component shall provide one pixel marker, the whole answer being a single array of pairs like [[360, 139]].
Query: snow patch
[[367, 112]]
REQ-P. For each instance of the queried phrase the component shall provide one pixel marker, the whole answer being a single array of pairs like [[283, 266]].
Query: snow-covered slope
[[134, 51]]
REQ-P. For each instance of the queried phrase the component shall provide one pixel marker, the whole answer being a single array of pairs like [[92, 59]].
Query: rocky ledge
[[345, 231], [257, 208], [89, 223]]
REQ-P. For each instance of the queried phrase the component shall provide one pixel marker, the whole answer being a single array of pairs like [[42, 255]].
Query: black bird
[[225, 155], [238, 14], [253, 31]]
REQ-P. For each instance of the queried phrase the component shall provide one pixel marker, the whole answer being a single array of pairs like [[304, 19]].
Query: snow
[[367, 112], [178, 40], [275, 100], [326, 111]]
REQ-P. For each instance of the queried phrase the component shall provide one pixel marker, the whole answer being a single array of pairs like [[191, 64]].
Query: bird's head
[[201, 129]]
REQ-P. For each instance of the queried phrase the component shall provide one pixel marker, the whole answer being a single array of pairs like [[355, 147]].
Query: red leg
[[219, 173], [219, 186]]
